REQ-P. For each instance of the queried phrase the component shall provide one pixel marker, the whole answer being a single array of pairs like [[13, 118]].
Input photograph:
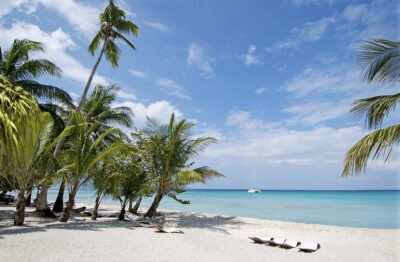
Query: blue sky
[[272, 80]]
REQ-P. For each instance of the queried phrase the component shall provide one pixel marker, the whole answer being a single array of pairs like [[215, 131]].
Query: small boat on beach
[[254, 189]]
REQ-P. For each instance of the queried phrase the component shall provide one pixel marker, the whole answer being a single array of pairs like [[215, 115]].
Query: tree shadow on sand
[[78, 222], [209, 222]]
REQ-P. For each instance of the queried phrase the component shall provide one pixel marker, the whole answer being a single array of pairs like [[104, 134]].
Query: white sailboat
[[254, 189]]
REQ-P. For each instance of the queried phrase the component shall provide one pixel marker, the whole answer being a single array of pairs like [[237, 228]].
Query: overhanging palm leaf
[[377, 144], [379, 61], [375, 109]]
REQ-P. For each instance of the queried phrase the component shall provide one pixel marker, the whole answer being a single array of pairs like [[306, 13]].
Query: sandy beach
[[206, 238]]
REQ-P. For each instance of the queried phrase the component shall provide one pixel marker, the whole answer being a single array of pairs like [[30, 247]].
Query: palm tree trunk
[[59, 204], [68, 208], [41, 206], [135, 209], [78, 109], [121, 215], [19, 216], [96, 207], [28, 198], [152, 211]]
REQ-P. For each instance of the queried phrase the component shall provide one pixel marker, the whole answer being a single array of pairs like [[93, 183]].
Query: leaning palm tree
[[24, 135], [81, 154], [167, 152], [380, 63], [17, 64], [113, 26], [99, 108]]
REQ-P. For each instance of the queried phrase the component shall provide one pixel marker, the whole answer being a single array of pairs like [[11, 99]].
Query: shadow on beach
[[77, 222], [202, 221]]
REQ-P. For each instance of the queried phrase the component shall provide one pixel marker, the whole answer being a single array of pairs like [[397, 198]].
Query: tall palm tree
[[99, 108], [168, 150], [113, 26], [17, 65], [24, 134], [81, 154], [380, 63]]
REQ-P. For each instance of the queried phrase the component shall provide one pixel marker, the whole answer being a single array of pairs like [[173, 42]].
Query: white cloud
[[160, 111], [273, 144], [261, 90], [198, 59], [333, 79], [250, 58], [307, 32], [26, 6], [172, 88], [157, 26], [57, 44], [126, 95], [83, 17], [137, 73], [312, 113]]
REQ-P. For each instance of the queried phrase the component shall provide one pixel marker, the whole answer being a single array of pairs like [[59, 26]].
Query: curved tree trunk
[[68, 208], [19, 216], [59, 204], [152, 211], [135, 208], [96, 208]]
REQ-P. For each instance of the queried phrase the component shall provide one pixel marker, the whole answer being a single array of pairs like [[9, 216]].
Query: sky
[[273, 81]]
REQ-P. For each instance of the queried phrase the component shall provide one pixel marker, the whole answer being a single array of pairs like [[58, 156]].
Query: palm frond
[[379, 61], [375, 109], [374, 145]]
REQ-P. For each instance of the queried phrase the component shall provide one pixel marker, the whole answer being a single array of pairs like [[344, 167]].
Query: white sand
[[206, 238]]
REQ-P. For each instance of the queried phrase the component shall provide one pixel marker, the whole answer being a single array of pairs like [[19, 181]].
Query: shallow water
[[371, 209]]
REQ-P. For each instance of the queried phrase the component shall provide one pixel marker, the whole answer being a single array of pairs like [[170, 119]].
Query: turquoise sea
[[371, 209]]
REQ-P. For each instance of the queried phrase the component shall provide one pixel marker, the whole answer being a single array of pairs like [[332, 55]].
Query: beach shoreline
[[207, 237]]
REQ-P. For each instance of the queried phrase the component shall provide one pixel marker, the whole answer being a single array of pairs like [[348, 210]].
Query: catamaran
[[254, 189]]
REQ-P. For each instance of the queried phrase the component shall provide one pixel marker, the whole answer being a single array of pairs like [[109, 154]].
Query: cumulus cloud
[[57, 45], [197, 58], [83, 17], [159, 111], [171, 87]]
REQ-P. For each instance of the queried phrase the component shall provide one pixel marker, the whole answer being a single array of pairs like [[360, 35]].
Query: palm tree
[[131, 178], [113, 26], [380, 63], [81, 154], [24, 134], [99, 108], [167, 152], [17, 65]]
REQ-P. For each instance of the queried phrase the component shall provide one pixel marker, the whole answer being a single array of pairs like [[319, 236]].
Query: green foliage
[[167, 150], [82, 152], [380, 62], [24, 136], [114, 26], [17, 65]]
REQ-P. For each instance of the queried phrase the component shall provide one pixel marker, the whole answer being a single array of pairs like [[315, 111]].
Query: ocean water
[[370, 209]]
